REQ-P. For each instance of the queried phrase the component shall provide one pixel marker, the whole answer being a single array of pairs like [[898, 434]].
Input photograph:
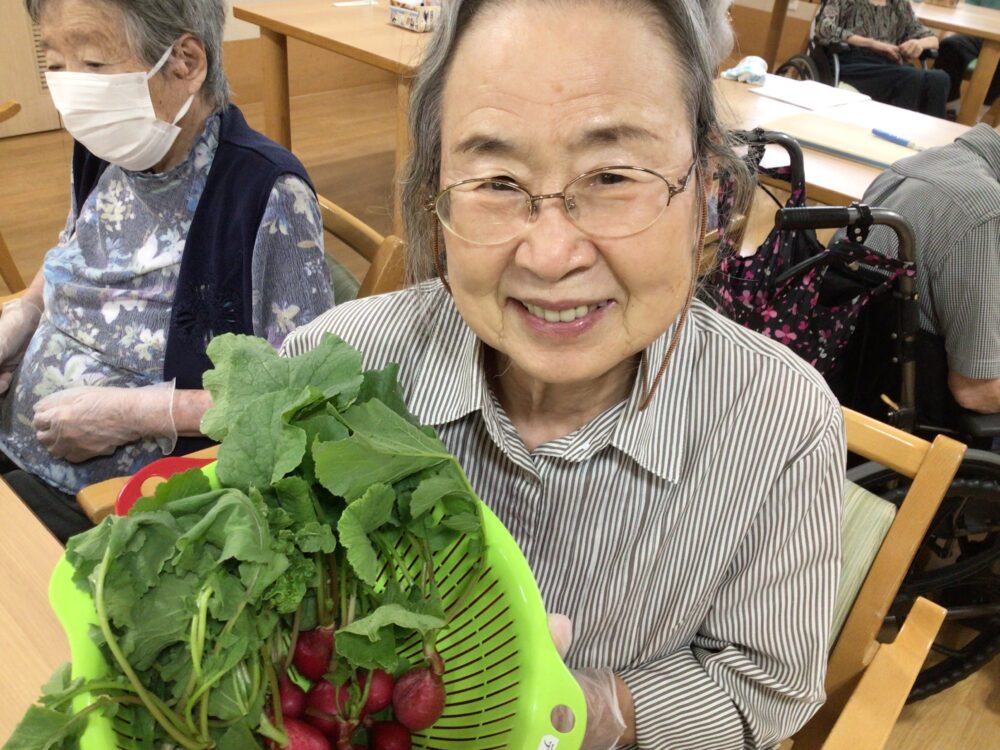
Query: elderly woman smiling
[[673, 480], [184, 223]]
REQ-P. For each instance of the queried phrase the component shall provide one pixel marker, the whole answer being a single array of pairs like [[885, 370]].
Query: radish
[[293, 698], [389, 735], [312, 654], [301, 736], [418, 699], [324, 707], [380, 692]]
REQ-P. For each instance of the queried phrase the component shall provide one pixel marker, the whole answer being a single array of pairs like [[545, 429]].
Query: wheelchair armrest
[[833, 48], [979, 425]]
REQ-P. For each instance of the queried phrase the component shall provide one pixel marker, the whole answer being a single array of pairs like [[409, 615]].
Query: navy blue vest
[[214, 288]]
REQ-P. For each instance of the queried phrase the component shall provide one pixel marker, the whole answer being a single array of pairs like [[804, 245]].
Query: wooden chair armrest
[[98, 499], [4, 299], [869, 716]]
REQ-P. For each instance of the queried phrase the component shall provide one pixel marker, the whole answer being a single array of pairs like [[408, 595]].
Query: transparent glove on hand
[[87, 421], [605, 723], [17, 325]]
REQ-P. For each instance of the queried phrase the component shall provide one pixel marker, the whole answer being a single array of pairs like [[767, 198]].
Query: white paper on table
[[807, 94]]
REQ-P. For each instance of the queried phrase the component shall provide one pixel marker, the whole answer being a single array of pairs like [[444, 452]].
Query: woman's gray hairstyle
[[683, 24], [153, 25], [720, 28]]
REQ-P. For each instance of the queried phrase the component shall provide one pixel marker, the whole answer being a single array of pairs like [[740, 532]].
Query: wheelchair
[[891, 370], [821, 62]]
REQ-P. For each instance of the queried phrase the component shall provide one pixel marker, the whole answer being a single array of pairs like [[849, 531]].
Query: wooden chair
[[387, 270], [8, 269], [386, 273], [867, 682]]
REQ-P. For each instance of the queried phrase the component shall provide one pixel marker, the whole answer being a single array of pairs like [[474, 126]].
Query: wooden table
[[359, 33], [973, 20], [977, 21], [31, 639], [831, 179]]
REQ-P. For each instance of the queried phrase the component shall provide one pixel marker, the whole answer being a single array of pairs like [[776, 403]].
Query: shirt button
[[585, 445]]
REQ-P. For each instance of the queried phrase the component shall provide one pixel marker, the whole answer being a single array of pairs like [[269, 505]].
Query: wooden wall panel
[[751, 26], [20, 78]]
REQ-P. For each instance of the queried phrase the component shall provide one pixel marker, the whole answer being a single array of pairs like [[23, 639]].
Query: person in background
[[954, 56], [673, 479], [885, 37], [184, 223], [951, 197]]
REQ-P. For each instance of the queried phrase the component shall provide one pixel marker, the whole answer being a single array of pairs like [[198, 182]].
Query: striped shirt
[[695, 545], [951, 198]]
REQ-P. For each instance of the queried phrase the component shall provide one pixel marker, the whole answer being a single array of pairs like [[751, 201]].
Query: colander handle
[[164, 468], [571, 695]]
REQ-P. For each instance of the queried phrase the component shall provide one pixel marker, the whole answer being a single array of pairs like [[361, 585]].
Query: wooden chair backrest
[[8, 269], [931, 467], [387, 271]]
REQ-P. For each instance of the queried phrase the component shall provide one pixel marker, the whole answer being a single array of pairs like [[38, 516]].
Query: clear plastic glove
[[87, 421], [605, 723], [17, 325]]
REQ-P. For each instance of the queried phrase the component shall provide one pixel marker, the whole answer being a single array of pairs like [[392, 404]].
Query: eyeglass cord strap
[[682, 318]]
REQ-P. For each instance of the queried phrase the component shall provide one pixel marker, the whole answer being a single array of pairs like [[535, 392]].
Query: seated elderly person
[[184, 223], [673, 479], [951, 197], [884, 36]]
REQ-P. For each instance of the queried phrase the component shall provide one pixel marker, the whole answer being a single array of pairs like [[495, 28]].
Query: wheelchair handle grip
[[812, 217], [837, 217]]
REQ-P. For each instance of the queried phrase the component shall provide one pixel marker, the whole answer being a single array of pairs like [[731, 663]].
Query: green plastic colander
[[503, 675]]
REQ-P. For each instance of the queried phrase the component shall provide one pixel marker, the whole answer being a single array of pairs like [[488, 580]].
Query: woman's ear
[[189, 62]]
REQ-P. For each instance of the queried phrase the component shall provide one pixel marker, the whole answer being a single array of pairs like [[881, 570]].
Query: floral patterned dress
[[109, 289]]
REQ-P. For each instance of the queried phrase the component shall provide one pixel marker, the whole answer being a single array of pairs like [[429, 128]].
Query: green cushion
[[345, 285], [866, 521]]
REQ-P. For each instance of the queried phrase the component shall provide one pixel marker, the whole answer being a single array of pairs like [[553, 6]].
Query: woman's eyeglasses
[[610, 202]]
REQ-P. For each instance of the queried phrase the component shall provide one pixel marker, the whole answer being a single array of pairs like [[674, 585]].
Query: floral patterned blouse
[[109, 288], [893, 22]]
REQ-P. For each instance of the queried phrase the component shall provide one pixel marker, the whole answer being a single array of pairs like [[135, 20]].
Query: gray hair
[[153, 25], [720, 29], [682, 23]]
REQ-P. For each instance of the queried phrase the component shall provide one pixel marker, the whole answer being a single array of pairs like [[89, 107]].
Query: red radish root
[[418, 699]]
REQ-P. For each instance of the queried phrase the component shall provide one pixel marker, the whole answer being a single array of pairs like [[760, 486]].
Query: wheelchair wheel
[[801, 67], [957, 566]]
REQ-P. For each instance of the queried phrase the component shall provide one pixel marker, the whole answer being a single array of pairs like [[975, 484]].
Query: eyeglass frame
[[533, 200]]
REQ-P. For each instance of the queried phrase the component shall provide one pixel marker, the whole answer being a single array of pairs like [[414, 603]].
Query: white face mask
[[113, 117]]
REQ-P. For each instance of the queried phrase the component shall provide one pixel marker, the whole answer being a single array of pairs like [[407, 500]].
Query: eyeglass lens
[[611, 203]]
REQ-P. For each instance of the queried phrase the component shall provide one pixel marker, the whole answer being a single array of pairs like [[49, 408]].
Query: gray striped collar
[[985, 141], [452, 384]]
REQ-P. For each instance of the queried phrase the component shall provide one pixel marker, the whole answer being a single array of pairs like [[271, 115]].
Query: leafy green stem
[[92, 687], [322, 607], [165, 719], [272, 682], [296, 623], [198, 630]]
